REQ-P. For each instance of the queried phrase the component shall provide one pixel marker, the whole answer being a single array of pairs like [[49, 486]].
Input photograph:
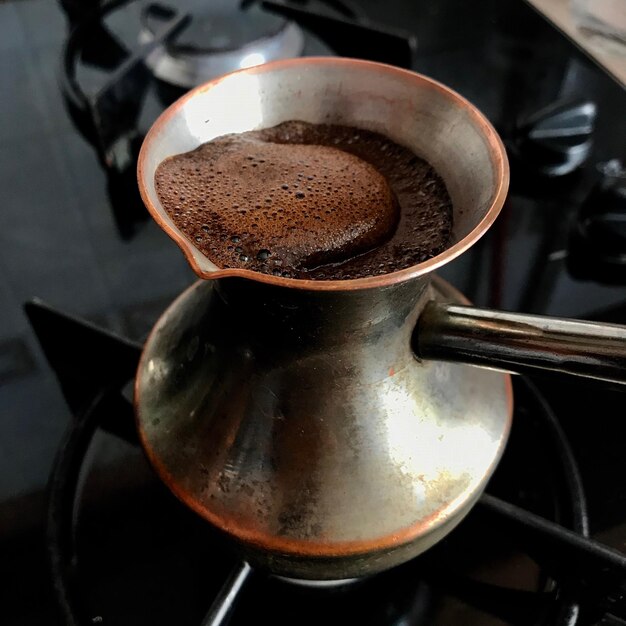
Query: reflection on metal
[[301, 424], [194, 62], [224, 603], [413, 110], [519, 342], [293, 414]]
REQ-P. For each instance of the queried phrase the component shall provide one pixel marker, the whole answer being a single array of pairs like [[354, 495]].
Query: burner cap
[[221, 37]]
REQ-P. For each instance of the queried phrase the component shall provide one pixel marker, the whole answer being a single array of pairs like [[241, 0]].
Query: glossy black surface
[[60, 241]]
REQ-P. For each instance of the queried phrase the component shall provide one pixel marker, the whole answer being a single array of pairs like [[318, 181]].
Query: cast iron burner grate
[[576, 579]]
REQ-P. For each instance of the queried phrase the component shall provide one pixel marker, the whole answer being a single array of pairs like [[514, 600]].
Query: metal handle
[[224, 603], [519, 342]]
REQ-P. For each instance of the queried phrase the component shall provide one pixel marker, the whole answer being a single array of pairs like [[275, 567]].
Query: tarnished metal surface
[[301, 424], [292, 414], [415, 111], [520, 342]]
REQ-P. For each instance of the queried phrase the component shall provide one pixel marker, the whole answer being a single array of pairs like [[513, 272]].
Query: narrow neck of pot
[[321, 319]]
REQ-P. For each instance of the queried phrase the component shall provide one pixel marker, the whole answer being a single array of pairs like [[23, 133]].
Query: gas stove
[[120, 544], [108, 543]]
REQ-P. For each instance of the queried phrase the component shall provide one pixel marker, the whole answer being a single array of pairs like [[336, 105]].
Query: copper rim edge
[[496, 150]]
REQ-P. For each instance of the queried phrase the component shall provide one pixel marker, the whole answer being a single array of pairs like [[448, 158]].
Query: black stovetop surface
[[148, 560]]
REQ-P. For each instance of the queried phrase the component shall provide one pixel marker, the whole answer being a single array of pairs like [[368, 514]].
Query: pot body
[[301, 424], [292, 414]]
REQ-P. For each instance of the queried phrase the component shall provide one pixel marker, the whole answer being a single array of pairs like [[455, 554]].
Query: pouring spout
[[521, 343]]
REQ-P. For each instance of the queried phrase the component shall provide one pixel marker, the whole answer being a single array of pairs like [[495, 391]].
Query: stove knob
[[557, 139], [597, 249]]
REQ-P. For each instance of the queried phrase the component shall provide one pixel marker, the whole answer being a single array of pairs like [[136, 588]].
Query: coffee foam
[[307, 201]]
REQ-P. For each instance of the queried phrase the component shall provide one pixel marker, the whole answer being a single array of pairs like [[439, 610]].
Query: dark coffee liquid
[[307, 201]]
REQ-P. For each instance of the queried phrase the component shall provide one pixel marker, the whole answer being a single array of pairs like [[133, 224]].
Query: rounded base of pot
[[321, 460], [343, 569]]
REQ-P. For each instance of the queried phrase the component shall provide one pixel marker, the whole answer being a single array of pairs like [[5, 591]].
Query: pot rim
[[497, 155]]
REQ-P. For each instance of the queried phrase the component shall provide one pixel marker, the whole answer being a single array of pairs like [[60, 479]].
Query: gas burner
[[183, 45], [221, 37], [181, 567]]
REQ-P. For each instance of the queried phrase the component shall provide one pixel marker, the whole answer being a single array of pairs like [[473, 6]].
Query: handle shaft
[[521, 343], [224, 603]]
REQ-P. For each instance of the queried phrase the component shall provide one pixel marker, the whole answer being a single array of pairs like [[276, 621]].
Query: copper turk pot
[[333, 428]]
